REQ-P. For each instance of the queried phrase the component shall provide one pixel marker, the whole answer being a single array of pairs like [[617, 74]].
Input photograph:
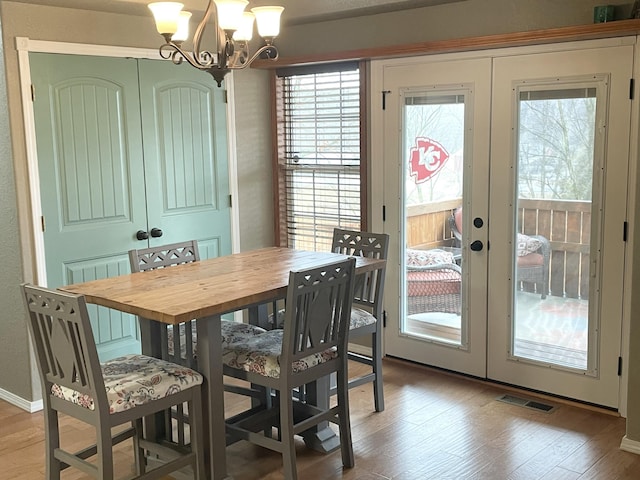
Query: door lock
[[476, 245]]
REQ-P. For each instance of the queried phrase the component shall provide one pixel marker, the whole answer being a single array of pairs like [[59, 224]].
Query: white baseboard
[[628, 445], [20, 402]]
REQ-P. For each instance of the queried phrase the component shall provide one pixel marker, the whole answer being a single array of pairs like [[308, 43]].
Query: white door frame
[[377, 183], [24, 45]]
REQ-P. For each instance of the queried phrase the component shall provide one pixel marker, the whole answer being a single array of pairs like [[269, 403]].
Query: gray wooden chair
[[312, 345], [182, 348], [105, 395], [366, 316]]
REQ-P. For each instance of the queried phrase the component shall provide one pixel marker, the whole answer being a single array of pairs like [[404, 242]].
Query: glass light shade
[[268, 20], [230, 13], [166, 15], [245, 32], [182, 33]]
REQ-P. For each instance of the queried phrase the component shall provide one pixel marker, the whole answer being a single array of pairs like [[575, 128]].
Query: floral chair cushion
[[421, 258], [261, 354], [134, 380], [232, 332], [359, 318]]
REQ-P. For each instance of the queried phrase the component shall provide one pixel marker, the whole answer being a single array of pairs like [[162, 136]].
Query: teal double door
[[131, 154]]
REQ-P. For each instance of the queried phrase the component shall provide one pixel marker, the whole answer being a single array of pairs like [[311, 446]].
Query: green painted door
[[185, 151], [120, 149]]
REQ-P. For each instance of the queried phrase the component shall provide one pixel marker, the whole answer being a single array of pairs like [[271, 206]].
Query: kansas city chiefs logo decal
[[426, 159]]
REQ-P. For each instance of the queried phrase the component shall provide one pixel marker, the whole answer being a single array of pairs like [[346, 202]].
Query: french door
[[506, 177], [442, 143]]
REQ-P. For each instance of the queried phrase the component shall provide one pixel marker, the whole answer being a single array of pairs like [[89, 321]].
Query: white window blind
[[319, 155]]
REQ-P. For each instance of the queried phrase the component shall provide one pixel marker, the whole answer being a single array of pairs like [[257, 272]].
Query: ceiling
[[296, 11]]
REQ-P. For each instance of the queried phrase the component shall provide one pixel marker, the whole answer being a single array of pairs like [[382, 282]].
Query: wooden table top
[[208, 287]]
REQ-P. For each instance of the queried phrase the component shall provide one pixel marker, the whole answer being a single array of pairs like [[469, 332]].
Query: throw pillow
[[526, 245]]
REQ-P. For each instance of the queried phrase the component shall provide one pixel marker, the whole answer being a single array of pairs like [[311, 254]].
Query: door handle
[[142, 235], [156, 232], [476, 245]]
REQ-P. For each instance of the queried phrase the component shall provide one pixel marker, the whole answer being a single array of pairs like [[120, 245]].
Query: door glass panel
[[555, 179], [433, 136]]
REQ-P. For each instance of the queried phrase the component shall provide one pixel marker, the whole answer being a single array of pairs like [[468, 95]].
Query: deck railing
[[567, 225]]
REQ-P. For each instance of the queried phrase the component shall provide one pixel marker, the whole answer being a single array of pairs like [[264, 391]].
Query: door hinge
[[619, 366], [631, 88], [42, 223], [33, 93], [384, 98], [384, 319], [230, 201], [625, 231], [226, 96], [384, 213]]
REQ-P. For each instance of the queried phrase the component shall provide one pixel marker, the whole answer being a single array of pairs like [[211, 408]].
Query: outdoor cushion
[[433, 282], [533, 259], [422, 258]]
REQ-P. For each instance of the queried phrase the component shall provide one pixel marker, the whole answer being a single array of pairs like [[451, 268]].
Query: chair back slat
[[65, 348], [319, 320], [164, 256], [176, 340], [369, 286]]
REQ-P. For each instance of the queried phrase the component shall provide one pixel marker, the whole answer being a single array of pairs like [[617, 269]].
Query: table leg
[[150, 339], [321, 437], [259, 315], [210, 365]]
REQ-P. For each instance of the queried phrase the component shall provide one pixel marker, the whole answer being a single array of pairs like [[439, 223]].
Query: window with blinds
[[319, 163]]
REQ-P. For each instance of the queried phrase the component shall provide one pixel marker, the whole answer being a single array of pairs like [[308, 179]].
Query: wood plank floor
[[435, 426]]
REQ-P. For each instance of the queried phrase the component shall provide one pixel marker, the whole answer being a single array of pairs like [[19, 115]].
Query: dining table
[[204, 291]]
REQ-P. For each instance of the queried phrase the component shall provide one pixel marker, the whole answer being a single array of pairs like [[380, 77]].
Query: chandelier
[[234, 29]]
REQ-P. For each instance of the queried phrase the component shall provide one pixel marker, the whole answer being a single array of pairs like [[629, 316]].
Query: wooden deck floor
[[553, 330], [435, 426]]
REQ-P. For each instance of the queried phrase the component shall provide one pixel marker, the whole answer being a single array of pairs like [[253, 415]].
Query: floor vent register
[[525, 402]]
